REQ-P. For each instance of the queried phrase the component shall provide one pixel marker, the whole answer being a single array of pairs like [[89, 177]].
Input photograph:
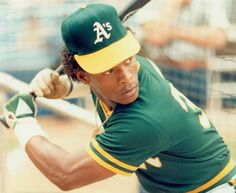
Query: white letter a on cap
[[22, 108], [101, 32]]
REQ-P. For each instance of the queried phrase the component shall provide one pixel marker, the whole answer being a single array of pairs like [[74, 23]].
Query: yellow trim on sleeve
[[233, 182], [106, 165], [217, 178], [111, 158]]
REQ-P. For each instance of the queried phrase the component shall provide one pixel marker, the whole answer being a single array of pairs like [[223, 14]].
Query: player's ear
[[83, 76]]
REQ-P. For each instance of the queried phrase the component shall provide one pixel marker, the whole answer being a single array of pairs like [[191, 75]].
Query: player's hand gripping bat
[[124, 14]]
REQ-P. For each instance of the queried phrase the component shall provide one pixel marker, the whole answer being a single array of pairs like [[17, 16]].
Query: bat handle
[[3, 121], [60, 69]]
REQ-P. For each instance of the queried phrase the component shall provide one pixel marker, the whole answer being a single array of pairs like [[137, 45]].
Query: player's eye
[[109, 72], [129, 61]]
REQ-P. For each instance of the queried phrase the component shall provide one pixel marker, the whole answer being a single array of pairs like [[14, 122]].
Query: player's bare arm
[[66, 170]]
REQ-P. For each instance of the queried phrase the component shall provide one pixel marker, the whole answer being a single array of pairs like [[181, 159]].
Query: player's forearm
[[62, 168], [66, 170], [202, 36], [49, 159]]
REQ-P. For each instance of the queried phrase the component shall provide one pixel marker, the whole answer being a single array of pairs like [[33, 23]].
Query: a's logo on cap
[[101, 31]]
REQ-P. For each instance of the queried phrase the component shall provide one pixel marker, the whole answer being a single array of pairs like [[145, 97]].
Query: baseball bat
[[2, 120], [129, 10]]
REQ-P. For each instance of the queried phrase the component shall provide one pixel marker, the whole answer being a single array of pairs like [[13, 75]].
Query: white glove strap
[[26, 128]]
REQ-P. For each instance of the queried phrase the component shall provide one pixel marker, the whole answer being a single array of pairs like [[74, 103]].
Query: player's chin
[[129, 97]]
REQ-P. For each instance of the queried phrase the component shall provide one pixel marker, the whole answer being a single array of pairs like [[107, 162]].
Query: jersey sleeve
[[125, 145]]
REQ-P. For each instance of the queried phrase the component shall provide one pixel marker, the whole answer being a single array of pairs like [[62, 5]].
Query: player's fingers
[[36, 89], [55, 77], [45, 75], [48, 81], [43, 86], [42, 83]]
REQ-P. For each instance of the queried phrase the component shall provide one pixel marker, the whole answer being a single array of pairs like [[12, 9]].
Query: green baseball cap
[[97, 38]]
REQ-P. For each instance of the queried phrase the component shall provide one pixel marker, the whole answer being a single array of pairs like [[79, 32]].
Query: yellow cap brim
[[109, 56]]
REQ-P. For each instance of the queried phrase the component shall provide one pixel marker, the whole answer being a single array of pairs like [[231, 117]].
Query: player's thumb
[[55, 78]]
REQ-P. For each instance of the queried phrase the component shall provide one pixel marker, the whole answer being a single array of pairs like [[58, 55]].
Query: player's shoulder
[[149, 65], [142, 59], [144, 63]]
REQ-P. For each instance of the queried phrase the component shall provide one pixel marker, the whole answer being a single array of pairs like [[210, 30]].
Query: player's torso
[[189, 150]]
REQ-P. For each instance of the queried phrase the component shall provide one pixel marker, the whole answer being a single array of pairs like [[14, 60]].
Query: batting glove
[[19, 106], [19, 115], [48, 83]]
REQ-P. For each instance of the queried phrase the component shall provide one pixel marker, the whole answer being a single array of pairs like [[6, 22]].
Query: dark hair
[[69, 63]]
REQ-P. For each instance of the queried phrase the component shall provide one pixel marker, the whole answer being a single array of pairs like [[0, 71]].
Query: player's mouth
[[129, 92]]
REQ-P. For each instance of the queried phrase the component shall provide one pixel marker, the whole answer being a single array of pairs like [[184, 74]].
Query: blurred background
[[193, 42]]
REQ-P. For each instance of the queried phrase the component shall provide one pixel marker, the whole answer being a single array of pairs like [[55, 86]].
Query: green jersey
[[162, 137]]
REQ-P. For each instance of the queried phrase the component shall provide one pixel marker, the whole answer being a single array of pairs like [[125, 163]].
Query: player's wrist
[[70, 88], [27, 128]]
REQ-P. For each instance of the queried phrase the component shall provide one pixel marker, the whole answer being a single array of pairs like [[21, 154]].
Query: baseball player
[[150, 128]]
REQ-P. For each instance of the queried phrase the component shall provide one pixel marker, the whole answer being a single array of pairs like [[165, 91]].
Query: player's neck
[[110, 104]]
